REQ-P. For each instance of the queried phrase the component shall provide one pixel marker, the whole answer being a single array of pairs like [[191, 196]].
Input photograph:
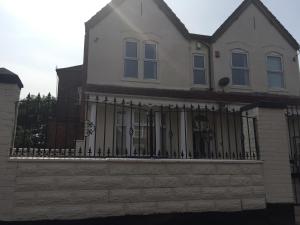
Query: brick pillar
[[274, 147], [9, 95]]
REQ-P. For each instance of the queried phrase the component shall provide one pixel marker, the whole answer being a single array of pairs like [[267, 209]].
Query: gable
[[105, 43], [268, 15], [115, 4]]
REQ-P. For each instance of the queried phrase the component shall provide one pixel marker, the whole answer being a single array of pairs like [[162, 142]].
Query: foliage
[[34, 113]]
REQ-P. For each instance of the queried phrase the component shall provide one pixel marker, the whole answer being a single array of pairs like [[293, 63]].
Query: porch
[[131, 127]]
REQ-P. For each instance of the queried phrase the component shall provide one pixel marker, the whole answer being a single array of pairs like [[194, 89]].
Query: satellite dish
[[223, 82]]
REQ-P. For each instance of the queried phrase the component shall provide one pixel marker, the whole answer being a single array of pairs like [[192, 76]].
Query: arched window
[[275, 71], [239, 67]]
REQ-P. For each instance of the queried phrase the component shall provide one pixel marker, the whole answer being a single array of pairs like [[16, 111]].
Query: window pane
[[150, 70], [121, 118], [198, 61], [274, 63], [240, 77], [140, 144], [164, 119], [120, 134], [150, 51], [140, 117], [140, 139], [131, 49], [131, 68], [239, 60], [199, 77], [275, 80], [140, 133]]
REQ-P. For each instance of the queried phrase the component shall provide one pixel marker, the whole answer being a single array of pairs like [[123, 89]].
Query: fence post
[[9, 95], [272, 132]]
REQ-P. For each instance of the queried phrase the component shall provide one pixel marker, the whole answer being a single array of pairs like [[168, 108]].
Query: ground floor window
[[133, 132]]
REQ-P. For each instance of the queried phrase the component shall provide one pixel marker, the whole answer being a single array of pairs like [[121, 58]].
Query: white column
[[92, 119], [183, 133], [157, 131]]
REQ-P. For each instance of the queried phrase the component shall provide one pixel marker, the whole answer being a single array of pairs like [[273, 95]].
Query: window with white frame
[[150, 61], [275, 71], [240, 69], [131, 59], [139, 121], [199, 70]]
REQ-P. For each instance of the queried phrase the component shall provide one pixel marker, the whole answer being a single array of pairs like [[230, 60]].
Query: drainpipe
[[211, 88]]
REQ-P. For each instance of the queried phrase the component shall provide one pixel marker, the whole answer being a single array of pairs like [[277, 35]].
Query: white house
[[174, 123]]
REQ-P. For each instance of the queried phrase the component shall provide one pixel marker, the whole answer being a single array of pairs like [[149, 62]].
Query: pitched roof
[[9, 77], [104, 12], [203, 38], [173, 18], [72, 68], [265, 11], [74, 71]]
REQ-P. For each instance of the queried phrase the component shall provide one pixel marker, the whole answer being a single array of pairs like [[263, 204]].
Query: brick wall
[[84, 189], [274, 148], [9, 94]]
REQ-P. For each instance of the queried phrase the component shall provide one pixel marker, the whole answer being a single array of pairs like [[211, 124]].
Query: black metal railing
[[119, 128], [293, 122]]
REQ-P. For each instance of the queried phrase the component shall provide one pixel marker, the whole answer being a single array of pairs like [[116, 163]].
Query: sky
[[38, 36]]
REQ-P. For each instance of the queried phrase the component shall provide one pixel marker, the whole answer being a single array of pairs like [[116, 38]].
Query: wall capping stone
[[8, 77], [122, 160]]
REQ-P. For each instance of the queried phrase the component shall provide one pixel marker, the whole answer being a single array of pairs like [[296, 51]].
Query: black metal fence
[[293, 121], [114, 128]]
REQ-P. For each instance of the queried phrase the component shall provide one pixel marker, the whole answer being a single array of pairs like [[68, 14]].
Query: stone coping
[[127, 160]]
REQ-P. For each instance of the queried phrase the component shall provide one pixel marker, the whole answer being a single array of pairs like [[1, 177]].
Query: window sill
[[199, 86], [241, 87], [283, 90], [136, 80]]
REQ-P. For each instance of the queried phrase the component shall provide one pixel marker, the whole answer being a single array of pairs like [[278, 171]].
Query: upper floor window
[[240, 70], [199, 70], [275, 71], [150, 61], [131, 59]]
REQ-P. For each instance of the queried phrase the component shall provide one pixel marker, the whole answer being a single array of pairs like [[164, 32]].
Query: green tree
[[34, 113]]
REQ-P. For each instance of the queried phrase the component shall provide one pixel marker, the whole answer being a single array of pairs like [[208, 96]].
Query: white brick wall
[[9, 94], [68, 190], [274, 148]]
